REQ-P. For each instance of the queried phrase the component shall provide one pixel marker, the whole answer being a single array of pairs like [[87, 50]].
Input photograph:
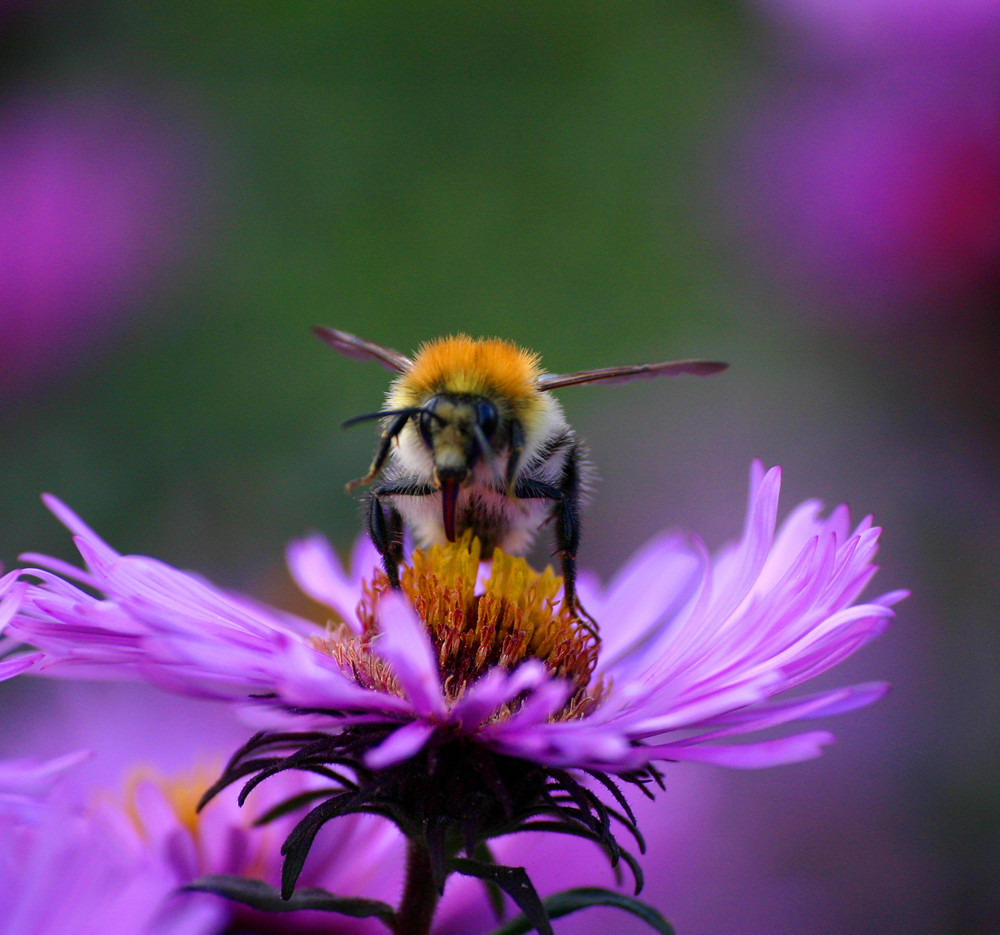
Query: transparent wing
[[627, 373], [350, 345]]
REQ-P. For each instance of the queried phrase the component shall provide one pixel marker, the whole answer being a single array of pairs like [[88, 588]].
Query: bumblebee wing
[[350, 345], [627, 373]]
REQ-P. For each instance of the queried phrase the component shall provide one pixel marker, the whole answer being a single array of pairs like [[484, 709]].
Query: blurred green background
[[588, 180], [398, 171]]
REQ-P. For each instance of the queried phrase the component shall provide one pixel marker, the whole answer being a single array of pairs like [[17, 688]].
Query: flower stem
[[420, 895]]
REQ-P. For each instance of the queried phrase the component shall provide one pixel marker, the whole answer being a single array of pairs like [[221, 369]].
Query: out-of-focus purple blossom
[[64, 871], [97, 193], [874, 179], [78, 855], [887, 28]]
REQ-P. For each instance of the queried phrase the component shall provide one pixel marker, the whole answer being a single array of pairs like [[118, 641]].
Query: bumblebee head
[[472, 396], [459, 431], [456, 432], [459, 403]]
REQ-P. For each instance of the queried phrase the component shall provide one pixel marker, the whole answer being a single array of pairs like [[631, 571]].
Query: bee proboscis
[[472, 438]]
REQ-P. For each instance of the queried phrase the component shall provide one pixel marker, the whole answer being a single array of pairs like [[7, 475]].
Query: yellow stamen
[[518, 615]]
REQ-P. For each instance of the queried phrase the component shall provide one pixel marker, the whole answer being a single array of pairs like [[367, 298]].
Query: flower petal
[[494, 690], [403, 643], [319, 573], [18, 665], [760, 755], [400, 745]]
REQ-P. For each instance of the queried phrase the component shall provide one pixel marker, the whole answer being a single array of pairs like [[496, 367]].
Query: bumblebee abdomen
[[501, 522]]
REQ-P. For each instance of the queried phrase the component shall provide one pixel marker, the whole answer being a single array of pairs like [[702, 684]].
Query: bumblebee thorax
[[461, 366]]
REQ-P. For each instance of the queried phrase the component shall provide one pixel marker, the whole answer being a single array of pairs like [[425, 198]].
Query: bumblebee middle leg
[[567, 532]]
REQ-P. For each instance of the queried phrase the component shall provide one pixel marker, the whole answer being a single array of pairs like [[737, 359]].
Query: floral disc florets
[[517, 615]]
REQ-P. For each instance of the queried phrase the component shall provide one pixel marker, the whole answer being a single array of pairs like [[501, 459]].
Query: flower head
[[456, 705], [695, 650], [83, 849], [69, 872]]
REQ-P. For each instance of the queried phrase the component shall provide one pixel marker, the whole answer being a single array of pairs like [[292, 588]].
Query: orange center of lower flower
[[181, 792], [517, 615]]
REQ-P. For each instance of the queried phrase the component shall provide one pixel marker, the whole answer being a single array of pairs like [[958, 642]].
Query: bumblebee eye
[[425, 420], [487, 417]]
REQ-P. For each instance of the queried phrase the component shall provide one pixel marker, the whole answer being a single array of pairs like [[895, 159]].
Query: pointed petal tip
[[760, 474], [893, 597], [68, 517], [401, 744]]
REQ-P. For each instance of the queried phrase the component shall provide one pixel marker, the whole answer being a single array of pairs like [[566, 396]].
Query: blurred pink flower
[[873, 174], [83, 849], [97, 191], [886, 27]]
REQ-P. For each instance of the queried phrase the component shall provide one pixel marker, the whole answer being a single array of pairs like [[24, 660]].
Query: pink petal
[[759, 755], [18, 665], [318, 572], [825, 704], [404, 644], [495, 689], [33, 778], [400, 745]]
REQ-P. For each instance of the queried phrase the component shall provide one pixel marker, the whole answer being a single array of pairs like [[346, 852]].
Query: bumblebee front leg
[[385, 526], [382, 452]]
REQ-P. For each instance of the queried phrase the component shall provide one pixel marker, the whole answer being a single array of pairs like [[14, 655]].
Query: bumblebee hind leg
[[567, 517]]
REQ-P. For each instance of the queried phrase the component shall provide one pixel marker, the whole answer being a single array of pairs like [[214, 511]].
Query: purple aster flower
[[67, 872], [456, 706], [83, 852], [694, 648]]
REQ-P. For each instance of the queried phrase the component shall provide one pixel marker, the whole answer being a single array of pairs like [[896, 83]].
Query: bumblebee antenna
[[402, 416], [385, 413]]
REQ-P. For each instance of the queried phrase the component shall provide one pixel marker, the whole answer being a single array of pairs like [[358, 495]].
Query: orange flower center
[[518, 615]]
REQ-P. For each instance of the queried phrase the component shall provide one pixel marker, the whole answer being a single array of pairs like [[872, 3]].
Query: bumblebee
[[472, 438]]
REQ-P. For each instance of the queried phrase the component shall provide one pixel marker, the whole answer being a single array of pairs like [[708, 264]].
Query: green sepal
[[569, 901], [515, 883], [494, 894], [266, 898], [297, 844]]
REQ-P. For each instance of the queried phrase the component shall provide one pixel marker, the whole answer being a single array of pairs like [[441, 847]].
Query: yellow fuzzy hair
[[474, 366]]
